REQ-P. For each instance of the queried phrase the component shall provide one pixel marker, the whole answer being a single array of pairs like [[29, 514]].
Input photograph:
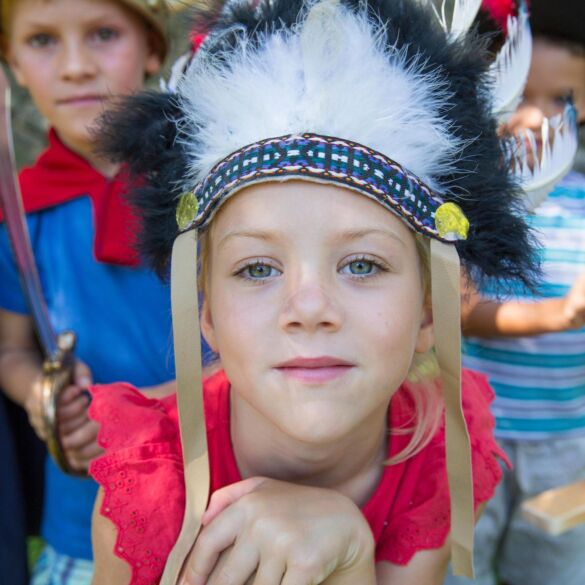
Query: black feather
[[500, 244], [141, 133]]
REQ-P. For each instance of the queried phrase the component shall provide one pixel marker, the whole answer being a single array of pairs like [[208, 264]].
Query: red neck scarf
[[59, 176]]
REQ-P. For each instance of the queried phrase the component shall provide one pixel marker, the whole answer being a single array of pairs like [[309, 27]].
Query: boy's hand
[[574, 304], [71, 402], [280, 533], [78, 433], [33, 404]]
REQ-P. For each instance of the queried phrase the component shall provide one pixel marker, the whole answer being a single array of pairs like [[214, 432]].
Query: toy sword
[[57, 349]]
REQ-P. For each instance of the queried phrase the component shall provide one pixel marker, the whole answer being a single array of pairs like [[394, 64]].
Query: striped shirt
[[540, 381]]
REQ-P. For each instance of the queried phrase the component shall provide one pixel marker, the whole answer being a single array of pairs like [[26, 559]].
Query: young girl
[[316, 150]]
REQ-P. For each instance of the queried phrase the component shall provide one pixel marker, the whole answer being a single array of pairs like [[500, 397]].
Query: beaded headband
[[325, 159]]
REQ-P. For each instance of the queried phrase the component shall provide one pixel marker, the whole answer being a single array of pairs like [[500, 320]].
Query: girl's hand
[[280, 533]]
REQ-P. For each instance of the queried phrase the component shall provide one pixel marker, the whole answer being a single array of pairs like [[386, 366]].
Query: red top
[[60, 175], [144, 494]]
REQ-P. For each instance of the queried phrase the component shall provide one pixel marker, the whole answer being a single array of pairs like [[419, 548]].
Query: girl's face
[[74, 56], [315, 306]]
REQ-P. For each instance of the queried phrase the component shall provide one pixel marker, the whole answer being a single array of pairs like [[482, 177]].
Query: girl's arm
[[109, 569], [428, 567]]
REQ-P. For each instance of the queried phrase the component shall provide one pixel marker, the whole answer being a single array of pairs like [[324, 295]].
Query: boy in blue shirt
[[75, 56]]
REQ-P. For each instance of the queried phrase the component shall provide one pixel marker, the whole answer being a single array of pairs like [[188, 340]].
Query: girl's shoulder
[[417, 516], [141, 470], [130, 420]]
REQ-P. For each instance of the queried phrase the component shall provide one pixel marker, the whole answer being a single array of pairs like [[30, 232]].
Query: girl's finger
[[225, 497], [211, 542], [296, 577], [236, 567], [270, 572]]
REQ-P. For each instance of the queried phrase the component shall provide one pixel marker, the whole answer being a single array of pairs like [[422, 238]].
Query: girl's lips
[[316, 375], [315, 370], [82, 100]]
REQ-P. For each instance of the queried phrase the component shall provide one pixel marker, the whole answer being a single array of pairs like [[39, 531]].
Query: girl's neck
[[352, 466], [87, 151]]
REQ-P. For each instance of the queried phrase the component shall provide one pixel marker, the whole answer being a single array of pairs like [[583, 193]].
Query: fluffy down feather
[[380, 72], [326, 75]]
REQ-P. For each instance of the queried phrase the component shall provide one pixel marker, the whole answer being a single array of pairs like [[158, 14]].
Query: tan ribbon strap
[[187, 342], [445, 276]]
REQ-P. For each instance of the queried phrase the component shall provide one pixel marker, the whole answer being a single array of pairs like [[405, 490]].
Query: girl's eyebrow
[[253, 234], [340, 238], [356, 234]]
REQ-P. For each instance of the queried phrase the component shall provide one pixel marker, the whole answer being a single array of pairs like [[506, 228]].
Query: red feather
[[499, 10]]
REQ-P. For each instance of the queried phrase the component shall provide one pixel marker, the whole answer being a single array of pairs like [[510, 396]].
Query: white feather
[[464, 13], [328, 75], [540, 171], [510, 70], [178, 70]]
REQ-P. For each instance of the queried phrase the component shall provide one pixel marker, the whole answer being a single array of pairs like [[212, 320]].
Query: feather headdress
[[379, 96]]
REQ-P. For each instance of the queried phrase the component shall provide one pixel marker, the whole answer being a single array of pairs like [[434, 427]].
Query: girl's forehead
[[296, 207]]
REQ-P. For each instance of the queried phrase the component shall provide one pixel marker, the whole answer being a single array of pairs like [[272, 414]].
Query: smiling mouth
[[315, 370]]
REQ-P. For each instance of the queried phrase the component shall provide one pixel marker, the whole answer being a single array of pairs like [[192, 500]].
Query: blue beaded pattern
[[319, 158]]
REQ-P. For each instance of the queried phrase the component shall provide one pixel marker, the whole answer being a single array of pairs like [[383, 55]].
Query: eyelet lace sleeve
[[422, 520], [141, 474]]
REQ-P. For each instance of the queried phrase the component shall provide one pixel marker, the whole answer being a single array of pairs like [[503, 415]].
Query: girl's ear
[[206, 323], [426, 334]]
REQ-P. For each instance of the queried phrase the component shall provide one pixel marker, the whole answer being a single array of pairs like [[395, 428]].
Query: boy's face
[[74, 56], [555, 75], [303, 271]]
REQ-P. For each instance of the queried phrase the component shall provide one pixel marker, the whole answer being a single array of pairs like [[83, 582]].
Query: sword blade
[[14, 217]]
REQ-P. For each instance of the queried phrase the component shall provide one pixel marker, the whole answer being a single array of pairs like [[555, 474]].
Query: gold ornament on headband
[[451, 222], [187, 210]]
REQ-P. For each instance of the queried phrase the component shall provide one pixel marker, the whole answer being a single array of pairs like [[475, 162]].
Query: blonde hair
[[422, 388]]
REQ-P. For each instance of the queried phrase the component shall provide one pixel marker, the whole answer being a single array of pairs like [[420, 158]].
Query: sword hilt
[[58, 372]]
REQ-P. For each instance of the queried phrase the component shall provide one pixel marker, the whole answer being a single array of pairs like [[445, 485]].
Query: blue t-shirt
[[540, 380], [122, 319]]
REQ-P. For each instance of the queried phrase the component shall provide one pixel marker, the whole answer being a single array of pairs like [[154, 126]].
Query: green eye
[[261, 271], [361, 267]]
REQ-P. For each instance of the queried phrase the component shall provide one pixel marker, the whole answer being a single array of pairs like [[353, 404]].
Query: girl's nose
[[310, 308]]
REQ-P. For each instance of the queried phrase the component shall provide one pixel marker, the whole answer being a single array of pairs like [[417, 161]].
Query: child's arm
[[485, 318], [428, 567], [20, 378], [109, 569], [275, 528], [20, 364]]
